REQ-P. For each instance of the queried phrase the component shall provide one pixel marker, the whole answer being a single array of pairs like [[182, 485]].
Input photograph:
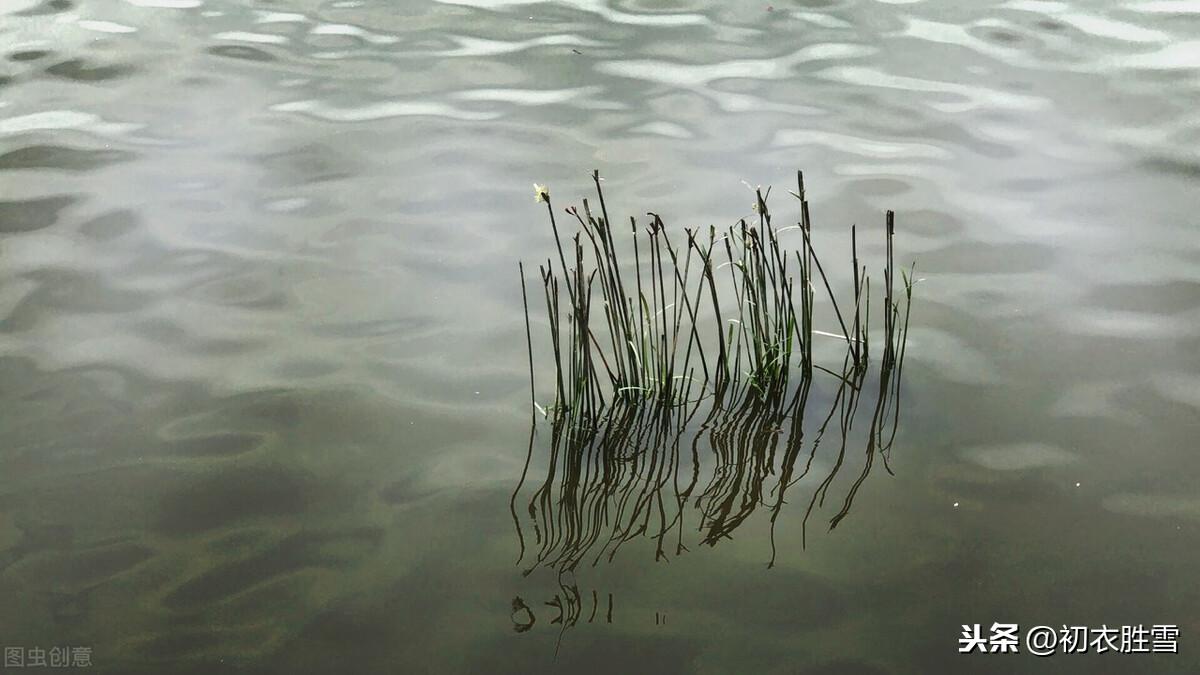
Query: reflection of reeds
[[724, 323]]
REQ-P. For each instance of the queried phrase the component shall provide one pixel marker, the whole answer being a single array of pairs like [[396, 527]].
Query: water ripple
[[698, 75], [599, 7], [866, 147], [1183, 55], [1111, 29], [258, 38], [969, 97], [166, 4], [55, 119], [353, 31], [106, 26], [1166, 7], [380, 111], [527, 96], [476, 46]]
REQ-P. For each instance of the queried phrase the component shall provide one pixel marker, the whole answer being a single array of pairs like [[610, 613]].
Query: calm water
[[263, 393]]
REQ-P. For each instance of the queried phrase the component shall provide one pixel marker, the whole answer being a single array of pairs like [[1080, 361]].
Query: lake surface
[[263, 379]]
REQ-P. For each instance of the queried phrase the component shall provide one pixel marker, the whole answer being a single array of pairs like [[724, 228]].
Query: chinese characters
[[1005, 638]]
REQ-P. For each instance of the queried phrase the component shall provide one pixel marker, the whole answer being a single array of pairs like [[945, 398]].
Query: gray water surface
[[263, 383]]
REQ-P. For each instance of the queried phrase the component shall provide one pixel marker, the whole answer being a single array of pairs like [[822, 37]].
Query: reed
[[728, 314], [646, 332]]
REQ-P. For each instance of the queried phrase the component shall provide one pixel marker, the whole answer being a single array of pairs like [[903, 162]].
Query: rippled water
[[262, 360]]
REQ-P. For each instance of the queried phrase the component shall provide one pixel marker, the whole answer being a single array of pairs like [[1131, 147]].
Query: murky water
[[262, 358]]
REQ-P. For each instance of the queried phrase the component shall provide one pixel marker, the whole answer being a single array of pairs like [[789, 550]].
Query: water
[[264, 392]]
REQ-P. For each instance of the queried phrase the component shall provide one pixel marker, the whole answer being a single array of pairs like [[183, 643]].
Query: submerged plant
[[719, 320]]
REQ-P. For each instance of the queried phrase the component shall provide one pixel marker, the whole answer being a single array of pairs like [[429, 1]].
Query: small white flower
[[540, 193]]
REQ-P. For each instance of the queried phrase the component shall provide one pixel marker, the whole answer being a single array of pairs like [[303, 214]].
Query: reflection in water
[[570, 606], [640, 473], [637, 455]]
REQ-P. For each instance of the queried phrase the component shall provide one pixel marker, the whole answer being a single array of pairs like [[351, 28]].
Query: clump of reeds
[[646, 343], [723, 319]]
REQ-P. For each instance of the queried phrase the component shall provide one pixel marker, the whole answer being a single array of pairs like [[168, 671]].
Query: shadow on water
[[637, 452]]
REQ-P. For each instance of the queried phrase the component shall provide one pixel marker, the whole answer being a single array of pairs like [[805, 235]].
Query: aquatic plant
[[649, 343], [722, 321]]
